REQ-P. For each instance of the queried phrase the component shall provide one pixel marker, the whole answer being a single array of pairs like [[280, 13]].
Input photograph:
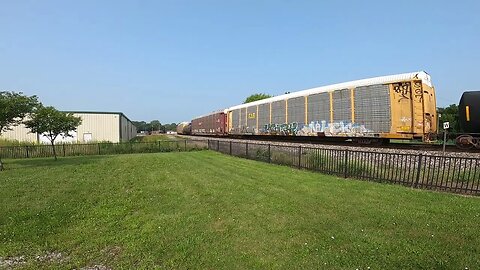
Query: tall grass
[[6, 142], [153, 138]]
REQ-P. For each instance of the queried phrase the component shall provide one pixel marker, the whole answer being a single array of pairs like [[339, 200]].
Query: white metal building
[[95, 127]]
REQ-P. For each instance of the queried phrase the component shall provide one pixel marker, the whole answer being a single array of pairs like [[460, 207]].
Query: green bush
[[262, 154], [315, 160], [358, 169], [282, 158]]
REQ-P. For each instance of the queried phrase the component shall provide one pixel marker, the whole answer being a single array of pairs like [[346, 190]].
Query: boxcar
[[210, 124], [399, 106]]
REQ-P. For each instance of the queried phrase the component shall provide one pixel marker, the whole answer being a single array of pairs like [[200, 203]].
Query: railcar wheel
[[476, 142], [465, 142], [430, 137]]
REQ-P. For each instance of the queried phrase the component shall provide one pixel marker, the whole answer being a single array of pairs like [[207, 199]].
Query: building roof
[[93, 112]]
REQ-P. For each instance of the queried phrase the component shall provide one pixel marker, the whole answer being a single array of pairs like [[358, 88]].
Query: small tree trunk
[[54, 151], [1, 163]]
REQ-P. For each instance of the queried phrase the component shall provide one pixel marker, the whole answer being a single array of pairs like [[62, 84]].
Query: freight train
[[469, 120], [401, 106]]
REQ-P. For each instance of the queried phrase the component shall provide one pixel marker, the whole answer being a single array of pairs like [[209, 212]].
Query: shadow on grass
[[13, 164]]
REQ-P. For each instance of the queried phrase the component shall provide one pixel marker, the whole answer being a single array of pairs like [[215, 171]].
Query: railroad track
[[392, 146]]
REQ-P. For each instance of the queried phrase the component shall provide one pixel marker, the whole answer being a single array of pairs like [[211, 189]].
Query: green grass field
[[205, 210]]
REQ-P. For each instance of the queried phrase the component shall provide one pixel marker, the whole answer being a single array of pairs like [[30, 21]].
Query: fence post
[[98, 145], [185, 145], [420, 158], [230, 148], [63, 147], [299, 156], [269, 154], [246, 149], [208, 144], [28, 155], [345, 162], [218, 145]]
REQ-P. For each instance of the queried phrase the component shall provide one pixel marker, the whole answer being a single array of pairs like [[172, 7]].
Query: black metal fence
[[36, 151], [452, 174]]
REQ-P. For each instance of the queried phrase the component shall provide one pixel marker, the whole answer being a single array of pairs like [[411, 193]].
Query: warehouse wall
[[127, 130], [19, 133], [97, 127]]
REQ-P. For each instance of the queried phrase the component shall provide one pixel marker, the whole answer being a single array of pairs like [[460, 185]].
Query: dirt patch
[[51, 257], [96, 267], [112, 251], [11, 262]]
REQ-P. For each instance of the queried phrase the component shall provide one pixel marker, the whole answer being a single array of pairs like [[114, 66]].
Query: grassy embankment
[[209, 211]]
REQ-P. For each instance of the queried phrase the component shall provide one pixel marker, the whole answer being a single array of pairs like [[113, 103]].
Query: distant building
[[95, 127]]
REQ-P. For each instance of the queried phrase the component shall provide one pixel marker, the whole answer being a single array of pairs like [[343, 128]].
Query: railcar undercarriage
[[468, 141]]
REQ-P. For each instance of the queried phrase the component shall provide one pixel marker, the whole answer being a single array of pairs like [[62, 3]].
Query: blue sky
[[173, 60]]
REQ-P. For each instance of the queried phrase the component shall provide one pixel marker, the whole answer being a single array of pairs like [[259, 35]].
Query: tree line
[[449, 114], [17, 108], [154, 125]]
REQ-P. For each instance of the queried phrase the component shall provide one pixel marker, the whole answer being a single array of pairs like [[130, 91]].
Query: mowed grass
[[205, 210]]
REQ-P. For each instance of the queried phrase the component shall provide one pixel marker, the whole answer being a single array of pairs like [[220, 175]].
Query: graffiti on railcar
[[403, 90], [239, 130], [342, 128], [417, 91], [317, 128], [406, 125], [282, 129]]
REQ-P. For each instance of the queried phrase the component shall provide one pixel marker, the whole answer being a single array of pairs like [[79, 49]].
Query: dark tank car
[[469, 112], [469, 120]]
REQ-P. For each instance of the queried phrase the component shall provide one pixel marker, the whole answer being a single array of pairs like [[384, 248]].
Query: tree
[[140, 125], [52, 123], [155, 125], [170, 127], [163, 129], [449, 114], [256, 97], [13, 109]]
